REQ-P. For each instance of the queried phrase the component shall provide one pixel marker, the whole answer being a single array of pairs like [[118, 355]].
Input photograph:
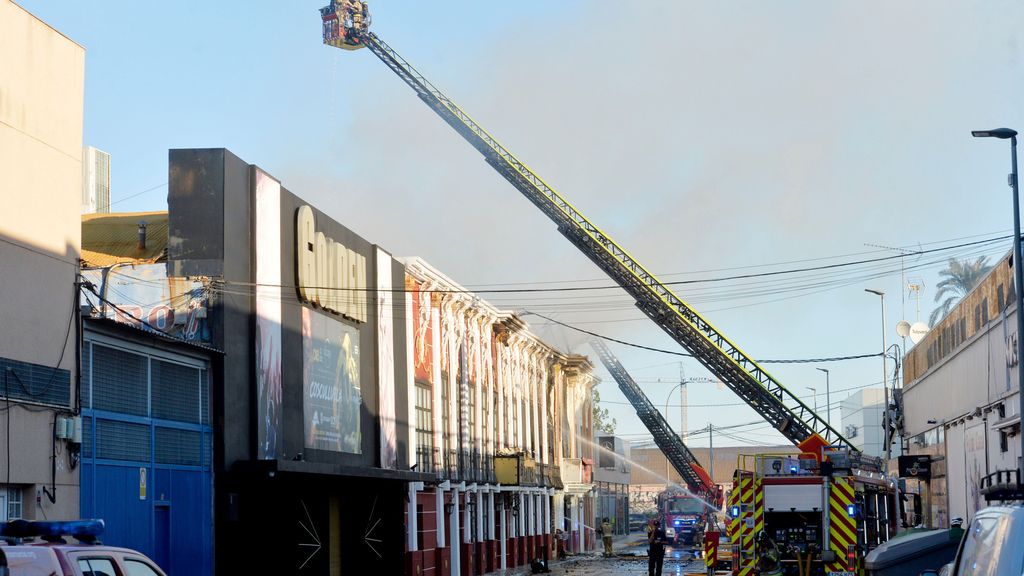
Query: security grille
[[176, 390], [119, 381], [180, 447], [122, 441]]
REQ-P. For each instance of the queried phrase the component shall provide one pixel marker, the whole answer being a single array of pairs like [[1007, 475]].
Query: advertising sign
[[386, 362], [919, 466], [268, 314], [331, 395], [143, 296]]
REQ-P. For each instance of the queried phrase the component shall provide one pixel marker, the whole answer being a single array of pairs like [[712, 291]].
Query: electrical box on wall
[[61, 428]]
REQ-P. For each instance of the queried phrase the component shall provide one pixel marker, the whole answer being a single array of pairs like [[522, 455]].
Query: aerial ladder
[[346, 25], [845, 507], [665, 438]]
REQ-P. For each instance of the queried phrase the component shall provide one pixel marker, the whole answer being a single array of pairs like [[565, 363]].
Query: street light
[[682, 432], [885, 385], [814, 392], [1018, 273], [828, 398]]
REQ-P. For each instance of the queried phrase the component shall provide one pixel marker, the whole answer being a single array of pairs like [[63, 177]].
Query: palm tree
[[958, 279]]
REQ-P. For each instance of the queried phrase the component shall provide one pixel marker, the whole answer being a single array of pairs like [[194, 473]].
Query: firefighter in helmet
[[768, 555]]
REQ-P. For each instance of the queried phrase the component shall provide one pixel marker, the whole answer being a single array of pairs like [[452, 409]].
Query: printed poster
[[331, 395]]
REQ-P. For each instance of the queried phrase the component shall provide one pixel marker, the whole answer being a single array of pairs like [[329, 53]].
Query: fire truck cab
[[818, 518], [683, 515]]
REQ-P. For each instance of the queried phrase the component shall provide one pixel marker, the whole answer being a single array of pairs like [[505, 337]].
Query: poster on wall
[[423, 334], [331, 395], [976, 465], [386, 362], [268, 315]]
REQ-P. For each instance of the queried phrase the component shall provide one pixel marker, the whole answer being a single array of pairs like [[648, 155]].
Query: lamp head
[[1001, 133]]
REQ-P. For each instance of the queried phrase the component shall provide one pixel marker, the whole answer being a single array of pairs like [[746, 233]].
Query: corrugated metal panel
[[35, 382], [111, 238]]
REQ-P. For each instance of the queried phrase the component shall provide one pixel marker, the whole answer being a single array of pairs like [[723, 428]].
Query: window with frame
[[424, 426], [15, 507]]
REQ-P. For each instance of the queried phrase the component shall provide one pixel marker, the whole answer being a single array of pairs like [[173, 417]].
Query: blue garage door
[[146, 453]]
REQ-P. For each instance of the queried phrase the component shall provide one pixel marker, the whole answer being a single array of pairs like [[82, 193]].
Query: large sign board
[[331, 394], [268, 314]]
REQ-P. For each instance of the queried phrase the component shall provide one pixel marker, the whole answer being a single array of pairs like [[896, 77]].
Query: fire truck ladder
[[667, 440], [780, 407]]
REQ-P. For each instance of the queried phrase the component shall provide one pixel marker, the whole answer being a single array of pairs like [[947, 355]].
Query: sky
[[710, 139]]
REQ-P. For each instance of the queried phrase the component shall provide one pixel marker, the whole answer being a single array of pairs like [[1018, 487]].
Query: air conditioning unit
[[851, 431]]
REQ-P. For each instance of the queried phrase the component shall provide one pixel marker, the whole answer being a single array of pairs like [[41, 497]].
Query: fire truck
[[825, 501], [683, 514], [817, 517]]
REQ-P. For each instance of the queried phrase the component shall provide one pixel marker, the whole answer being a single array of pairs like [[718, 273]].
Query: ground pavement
[[630, 560]]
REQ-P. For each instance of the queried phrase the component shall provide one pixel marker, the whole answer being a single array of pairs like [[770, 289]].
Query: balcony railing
[[428, 460]]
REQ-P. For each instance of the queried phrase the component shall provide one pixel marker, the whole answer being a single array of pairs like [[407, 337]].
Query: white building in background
[[95, 181], [862, 416]]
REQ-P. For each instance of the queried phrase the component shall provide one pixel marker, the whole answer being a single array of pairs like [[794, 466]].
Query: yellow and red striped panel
[[842, 527]]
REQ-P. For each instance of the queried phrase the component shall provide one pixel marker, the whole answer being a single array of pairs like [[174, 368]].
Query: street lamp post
[[828, 398], [814, 393], [885, 385], [1018, 271], [668, 479]]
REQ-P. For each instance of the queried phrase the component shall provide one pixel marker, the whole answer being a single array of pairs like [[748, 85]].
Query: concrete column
[[456, 566], [490, 514], [574, 523], [412, 542], [523, 522], [480, 497], [439, 513], [503, 532], [559, 504], [538, 516], [547, 514]]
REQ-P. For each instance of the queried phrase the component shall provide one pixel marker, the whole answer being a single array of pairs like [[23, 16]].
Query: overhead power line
[[676, 353]]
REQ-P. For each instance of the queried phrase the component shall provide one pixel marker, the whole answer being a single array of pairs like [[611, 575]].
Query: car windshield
[[685, 506]]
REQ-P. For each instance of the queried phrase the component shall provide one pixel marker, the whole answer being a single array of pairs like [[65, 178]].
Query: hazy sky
[[708, 138]]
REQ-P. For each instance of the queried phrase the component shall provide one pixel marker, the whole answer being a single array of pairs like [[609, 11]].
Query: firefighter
[[656, 541], [768, 555], [606, 536]]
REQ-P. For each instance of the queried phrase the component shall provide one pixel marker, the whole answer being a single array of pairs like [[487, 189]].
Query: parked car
[[991, 545], [41, 549], [637, 523]]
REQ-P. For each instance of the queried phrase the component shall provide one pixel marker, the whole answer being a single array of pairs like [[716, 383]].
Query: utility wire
[[675, 353]]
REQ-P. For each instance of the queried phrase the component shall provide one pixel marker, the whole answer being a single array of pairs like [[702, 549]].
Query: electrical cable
[[686, 354]]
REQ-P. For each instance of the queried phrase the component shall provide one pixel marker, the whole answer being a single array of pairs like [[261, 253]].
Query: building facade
[[863, 419], [611, 480], [146, 461], [969, 361], [95, 181], [42, 80], [502, 423], [308, 408], [651, 469]]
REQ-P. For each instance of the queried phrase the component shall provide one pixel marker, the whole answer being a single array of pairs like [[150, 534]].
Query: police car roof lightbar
[[87, 531]]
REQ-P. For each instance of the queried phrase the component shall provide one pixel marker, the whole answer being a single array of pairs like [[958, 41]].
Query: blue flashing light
[[793, 469], [734, 511], [81, 530], [678, 522], [851, 510]]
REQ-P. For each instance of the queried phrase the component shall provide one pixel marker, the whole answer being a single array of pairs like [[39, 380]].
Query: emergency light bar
[[87, 531]]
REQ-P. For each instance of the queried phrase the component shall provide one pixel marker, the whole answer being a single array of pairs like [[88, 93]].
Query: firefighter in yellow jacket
[[606, 536]]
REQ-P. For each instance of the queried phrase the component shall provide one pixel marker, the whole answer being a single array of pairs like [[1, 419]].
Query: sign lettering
[[331, 275]]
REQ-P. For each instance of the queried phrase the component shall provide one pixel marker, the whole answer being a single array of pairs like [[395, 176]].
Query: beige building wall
[[42, 79]]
